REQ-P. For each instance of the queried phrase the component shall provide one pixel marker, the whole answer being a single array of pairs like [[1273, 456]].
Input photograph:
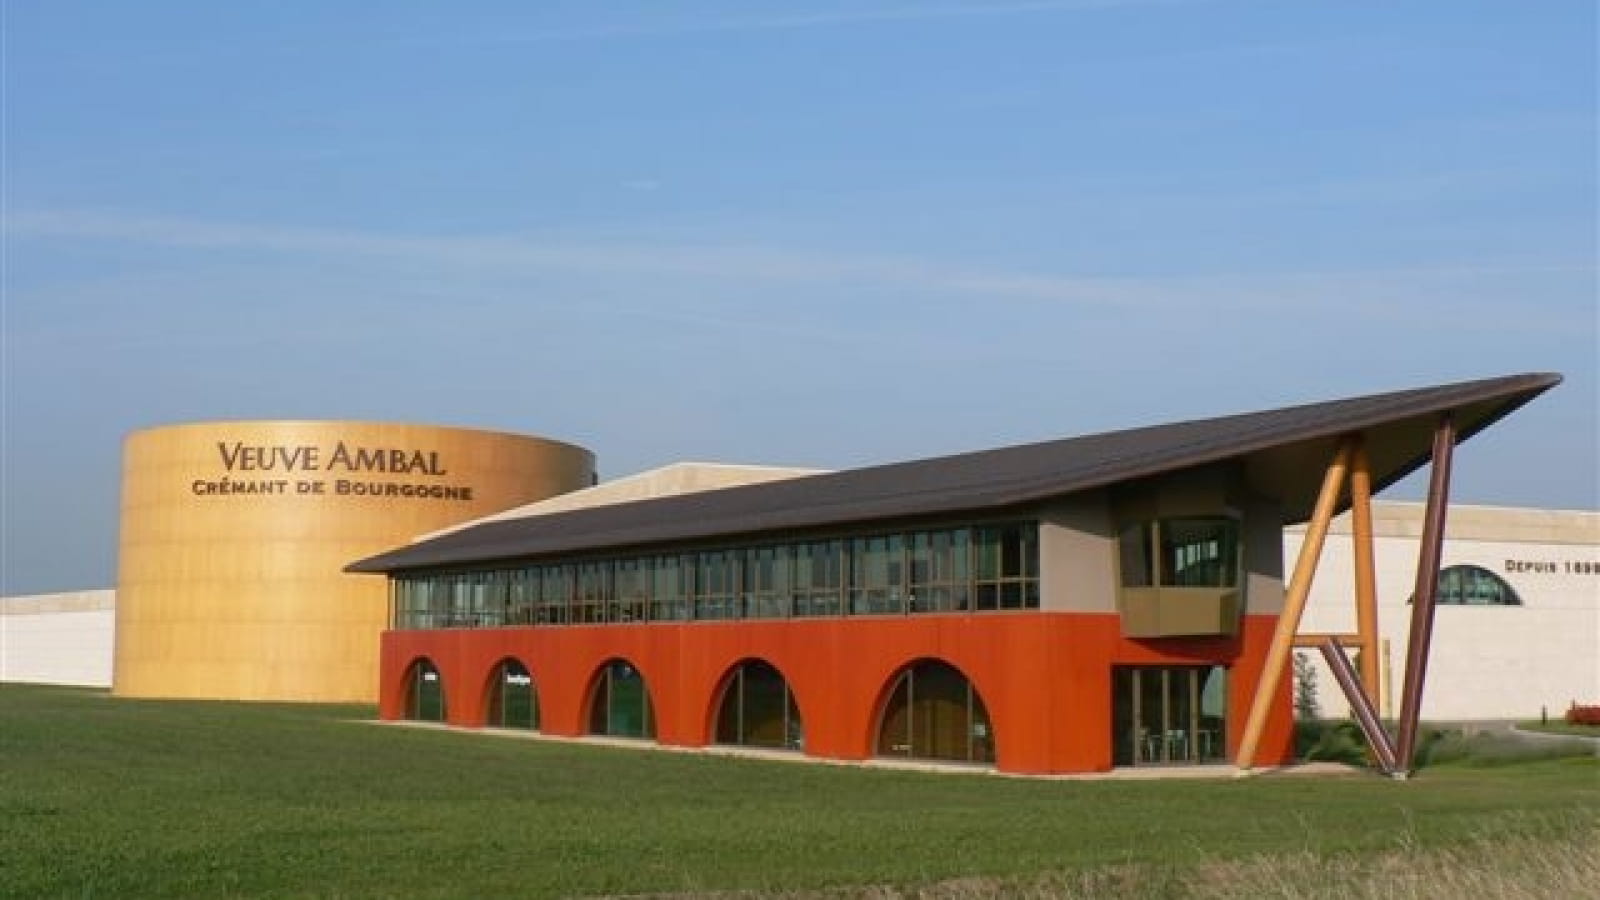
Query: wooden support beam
[[1294, 603], [1386, 701], [1318, 638], [1366, 579]]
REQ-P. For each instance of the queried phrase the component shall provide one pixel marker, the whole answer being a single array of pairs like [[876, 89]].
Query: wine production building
[[1057, 607]]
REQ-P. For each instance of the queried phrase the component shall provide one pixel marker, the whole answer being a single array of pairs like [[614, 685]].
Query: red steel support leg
[[1360, 704], [1422, 599]]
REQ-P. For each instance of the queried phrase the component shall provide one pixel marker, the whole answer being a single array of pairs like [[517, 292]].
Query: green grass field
[[116, 798]]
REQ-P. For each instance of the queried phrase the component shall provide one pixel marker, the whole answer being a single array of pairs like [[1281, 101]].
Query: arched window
[[934, 712], [621, 705], [513, 699], [425, 692], [758, 709], [1474, 586]]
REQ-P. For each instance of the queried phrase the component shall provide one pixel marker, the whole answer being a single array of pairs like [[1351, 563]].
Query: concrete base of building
[[1119, 773]]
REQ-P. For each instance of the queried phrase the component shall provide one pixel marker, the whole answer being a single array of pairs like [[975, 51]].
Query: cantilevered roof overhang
[[1284, 453]]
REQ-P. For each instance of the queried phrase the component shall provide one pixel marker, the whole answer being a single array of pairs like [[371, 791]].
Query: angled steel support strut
[[1422, 599], [1360, 703]]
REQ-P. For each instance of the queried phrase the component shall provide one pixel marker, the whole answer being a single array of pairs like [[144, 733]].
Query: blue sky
[[822, 234]]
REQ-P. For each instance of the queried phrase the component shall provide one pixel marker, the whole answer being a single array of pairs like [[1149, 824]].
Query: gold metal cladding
[[1294, 603], [234, 535]]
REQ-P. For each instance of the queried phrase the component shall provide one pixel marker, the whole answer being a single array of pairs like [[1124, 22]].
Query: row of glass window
[[990, 567]]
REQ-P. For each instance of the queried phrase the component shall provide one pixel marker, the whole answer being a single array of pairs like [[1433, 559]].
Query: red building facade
[[1045, 679]]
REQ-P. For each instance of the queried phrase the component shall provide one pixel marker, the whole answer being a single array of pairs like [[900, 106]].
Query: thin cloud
[[1415, 294], [534, 255], [816, 20]]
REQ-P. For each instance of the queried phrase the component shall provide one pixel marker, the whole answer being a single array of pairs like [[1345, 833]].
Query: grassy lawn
[[118, 798]]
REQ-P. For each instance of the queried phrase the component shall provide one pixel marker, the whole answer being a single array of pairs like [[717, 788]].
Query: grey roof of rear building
[[1290, 446]]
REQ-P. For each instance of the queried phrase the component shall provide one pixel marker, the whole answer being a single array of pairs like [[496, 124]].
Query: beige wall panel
[[1077, 555], [241, 595], [1263, 557]]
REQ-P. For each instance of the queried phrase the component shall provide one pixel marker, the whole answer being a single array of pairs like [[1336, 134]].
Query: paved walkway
[[1547, 737], [1126, 773]]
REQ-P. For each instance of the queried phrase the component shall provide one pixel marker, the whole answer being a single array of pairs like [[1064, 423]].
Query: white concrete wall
[[1486, 662], [666, 481], [58, 638]]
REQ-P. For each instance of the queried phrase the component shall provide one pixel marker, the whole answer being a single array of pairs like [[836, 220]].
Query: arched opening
[[758, 709], [425, 692], [621, 706], [513, 698], [934, 712]]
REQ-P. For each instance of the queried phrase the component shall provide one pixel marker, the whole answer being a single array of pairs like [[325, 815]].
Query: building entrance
[[1168, 715], [425, 693]]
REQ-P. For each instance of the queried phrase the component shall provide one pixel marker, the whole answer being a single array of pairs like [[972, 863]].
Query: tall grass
[[1534, 860]]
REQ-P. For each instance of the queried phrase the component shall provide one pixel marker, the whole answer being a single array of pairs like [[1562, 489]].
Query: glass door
[[1168, 715]]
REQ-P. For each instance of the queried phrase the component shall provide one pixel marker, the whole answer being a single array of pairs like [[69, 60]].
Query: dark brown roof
[[1286, 450]]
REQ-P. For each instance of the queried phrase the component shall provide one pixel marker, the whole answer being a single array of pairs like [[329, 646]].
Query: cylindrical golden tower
[[234, 535]]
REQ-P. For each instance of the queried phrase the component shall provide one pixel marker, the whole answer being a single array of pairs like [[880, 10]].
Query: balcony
[[1163, 612]]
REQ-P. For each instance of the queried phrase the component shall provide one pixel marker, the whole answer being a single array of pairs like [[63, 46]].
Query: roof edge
[[1258, 432]]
